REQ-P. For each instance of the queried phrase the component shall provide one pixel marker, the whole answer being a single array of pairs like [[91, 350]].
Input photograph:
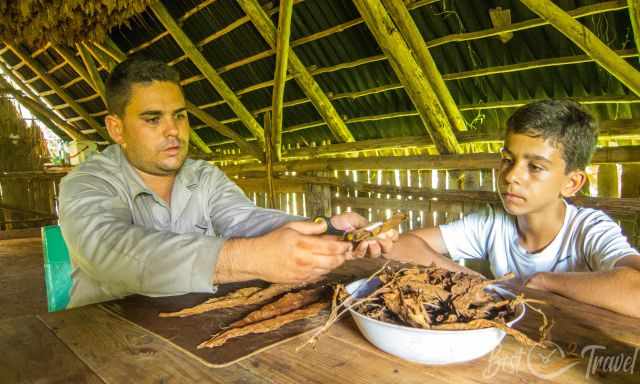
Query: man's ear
[[576, 179], [115, 128]]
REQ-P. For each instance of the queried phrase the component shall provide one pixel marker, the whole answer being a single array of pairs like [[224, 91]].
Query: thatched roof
[[489, 70]]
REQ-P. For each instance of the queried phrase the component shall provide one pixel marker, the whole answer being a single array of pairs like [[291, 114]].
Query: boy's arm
[[425, 246], [617, 289]]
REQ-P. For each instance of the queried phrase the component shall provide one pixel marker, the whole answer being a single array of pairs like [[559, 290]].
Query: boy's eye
[[506, 160], [535, 168]]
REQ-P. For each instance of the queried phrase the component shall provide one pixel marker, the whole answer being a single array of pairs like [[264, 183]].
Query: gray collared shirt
[[124, 239]]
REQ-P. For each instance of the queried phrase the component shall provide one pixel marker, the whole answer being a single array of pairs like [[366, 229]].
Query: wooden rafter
[[207, 70], [467, 161], [280, 76], [309, 86], [622, 129], [410, 74], [587, 41], [77, 66], [51, 83], [411, 34], [92, 70]]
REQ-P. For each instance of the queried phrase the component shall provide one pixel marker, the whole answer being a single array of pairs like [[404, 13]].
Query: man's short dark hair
[[562, 122], [136, 69]]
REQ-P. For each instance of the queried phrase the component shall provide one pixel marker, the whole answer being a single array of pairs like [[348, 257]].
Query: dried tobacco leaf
[[240, 297], [265, 325]]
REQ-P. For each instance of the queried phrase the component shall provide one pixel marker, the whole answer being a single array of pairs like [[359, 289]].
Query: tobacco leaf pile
[[439, 299]]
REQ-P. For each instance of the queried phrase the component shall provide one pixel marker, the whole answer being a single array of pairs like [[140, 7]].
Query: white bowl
[[426, 346]]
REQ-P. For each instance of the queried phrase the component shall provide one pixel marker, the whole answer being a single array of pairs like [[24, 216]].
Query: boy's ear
[[115, 128], [575, 182]]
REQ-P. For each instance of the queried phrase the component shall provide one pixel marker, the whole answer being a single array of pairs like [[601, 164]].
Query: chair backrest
[[57, 268]]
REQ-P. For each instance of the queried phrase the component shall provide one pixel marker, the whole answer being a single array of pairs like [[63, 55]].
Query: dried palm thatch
[[35, 22], [22, 147]]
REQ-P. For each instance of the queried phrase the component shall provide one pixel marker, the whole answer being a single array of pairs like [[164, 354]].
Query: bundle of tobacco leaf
[[292, 302], [429, 297]]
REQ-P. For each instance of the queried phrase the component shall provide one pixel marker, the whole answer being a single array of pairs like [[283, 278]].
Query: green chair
[[57, 268]]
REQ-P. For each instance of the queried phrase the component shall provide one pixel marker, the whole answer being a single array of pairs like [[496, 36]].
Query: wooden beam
[[587, 41], [411, 34], [309, 86], [109, 63], [38, 70], [410, 75], [92, 69], [207, 70], [470, 161], [268, 131], [280, 76]]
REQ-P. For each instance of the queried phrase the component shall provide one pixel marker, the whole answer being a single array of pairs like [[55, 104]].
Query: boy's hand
[[376, 247]]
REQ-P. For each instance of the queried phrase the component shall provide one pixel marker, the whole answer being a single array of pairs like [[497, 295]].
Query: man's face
[[154, 131], [532, 175]]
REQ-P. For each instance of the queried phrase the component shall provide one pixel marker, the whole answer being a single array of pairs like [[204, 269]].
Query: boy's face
[[532, 175], [154, 131]]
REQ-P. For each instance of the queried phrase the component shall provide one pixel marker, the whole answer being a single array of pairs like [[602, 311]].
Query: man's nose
[[171, 127]]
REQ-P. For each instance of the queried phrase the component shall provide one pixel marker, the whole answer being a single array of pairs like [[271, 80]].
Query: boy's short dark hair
[[562, 122], [136, 69]]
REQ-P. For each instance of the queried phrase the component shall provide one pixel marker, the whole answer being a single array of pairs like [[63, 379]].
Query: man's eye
[[153, 120], [181, 115], [536, 168]]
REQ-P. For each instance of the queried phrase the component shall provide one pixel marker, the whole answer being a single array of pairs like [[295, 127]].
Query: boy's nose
[[511, 174]]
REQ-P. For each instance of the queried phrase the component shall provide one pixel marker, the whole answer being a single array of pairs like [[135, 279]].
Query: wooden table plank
[[21, 278], [31, 353], [119, 351]]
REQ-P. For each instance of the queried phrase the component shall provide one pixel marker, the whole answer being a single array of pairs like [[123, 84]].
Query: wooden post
[[271, 192], [587, 41], [309, 86], [42, 73], [608, 181], [411, 34], [207, 70], [280, 76], [410, 74]]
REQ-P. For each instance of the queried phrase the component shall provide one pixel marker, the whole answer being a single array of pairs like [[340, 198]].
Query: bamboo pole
[[37, 69], [411, 34], [587, 41], [310, 87], [410, 74], [93, 72], [207, 70], [282, 57]]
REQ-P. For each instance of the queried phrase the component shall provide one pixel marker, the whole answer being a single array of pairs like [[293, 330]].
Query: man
[[576, 252], [141, 218]]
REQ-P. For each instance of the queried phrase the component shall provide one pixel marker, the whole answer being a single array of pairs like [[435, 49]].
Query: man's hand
[[381, 244], [294, 253]]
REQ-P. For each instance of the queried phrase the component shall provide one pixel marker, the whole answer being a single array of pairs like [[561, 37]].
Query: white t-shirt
[[588, 241]]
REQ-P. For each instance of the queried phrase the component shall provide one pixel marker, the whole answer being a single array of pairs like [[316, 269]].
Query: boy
[[576, 252]]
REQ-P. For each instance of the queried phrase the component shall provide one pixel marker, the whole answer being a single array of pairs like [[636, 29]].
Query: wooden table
[[90, 345]]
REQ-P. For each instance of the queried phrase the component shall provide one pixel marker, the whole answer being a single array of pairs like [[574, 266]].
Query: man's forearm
[[617, 290], [233, 265]]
